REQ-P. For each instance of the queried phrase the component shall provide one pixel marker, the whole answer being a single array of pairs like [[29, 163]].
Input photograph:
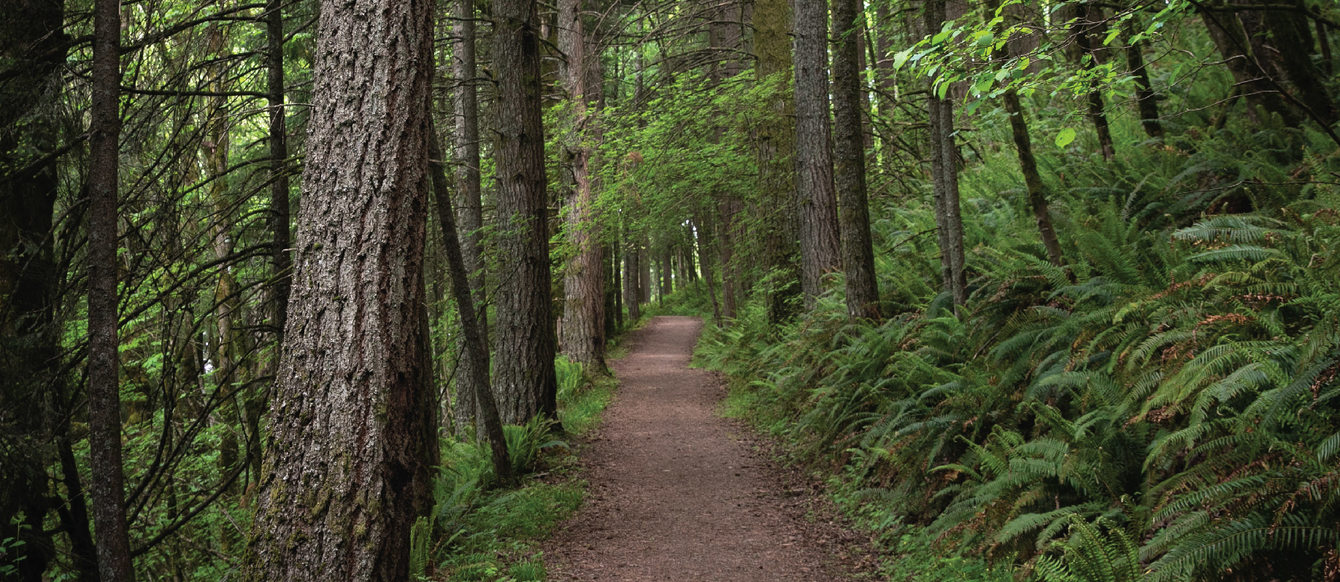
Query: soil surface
[[678, 493]]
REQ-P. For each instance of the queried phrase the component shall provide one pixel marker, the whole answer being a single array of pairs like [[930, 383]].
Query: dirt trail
[[676, 495]]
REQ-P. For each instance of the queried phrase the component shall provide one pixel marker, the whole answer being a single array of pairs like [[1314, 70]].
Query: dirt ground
[[678, 493]]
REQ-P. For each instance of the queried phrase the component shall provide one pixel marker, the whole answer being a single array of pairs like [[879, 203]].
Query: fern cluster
[[1162, 408]]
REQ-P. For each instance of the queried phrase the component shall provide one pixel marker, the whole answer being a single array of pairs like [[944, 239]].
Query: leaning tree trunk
[[524, 379], [104, 401], [583, 279], [858, 255], [816, 200], [1087, 21], [353, 369], [1023, 146], [475, 362]]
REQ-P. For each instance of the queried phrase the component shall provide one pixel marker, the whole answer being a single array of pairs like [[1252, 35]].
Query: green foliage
[[485, 533], [1161, 408]]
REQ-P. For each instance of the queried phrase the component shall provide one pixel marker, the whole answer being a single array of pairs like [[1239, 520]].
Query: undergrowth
[[1161, 408], [483, 532]]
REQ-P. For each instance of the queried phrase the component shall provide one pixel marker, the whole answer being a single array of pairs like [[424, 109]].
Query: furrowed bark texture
[[523, 380], [353, 437], [584, 277], [471, 206], [858, 255], [104, 402], [816, 201]]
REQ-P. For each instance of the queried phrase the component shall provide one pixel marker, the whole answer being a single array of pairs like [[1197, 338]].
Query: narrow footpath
[[676, 495]]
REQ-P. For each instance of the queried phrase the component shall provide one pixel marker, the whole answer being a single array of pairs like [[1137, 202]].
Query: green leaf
[[1066, 136], [900, 58]]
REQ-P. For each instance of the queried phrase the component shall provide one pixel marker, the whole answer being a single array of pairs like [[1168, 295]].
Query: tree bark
[[1252, 79], [816, 200], [583, 338], [775, 206], [944, 174], [524, 380], [468, 187], [1037, 191], [858, 255], [281, 240], [353, 368], [280, 259], [1023, 145], [104, 401]]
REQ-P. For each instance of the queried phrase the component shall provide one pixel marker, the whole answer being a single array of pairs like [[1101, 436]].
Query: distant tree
[[944, 176], [340, 506]]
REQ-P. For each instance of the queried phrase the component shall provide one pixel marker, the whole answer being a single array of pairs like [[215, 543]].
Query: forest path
[[676, 494]]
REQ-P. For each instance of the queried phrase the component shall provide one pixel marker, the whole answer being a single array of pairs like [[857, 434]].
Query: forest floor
[[679, 493]]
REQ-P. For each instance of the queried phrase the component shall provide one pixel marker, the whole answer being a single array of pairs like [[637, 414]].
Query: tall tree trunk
[[476, 351], [613, 291], [1291, 39], [226, 372], [726, 35], [667, 270], [776, 182], [32, 49], [944, 174], [353, 368], [858, 255], [104, 401], [468, 187], [730, 277], [1037, 191], [816, 200], [524, 379], [281, 261], [583, 338]]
